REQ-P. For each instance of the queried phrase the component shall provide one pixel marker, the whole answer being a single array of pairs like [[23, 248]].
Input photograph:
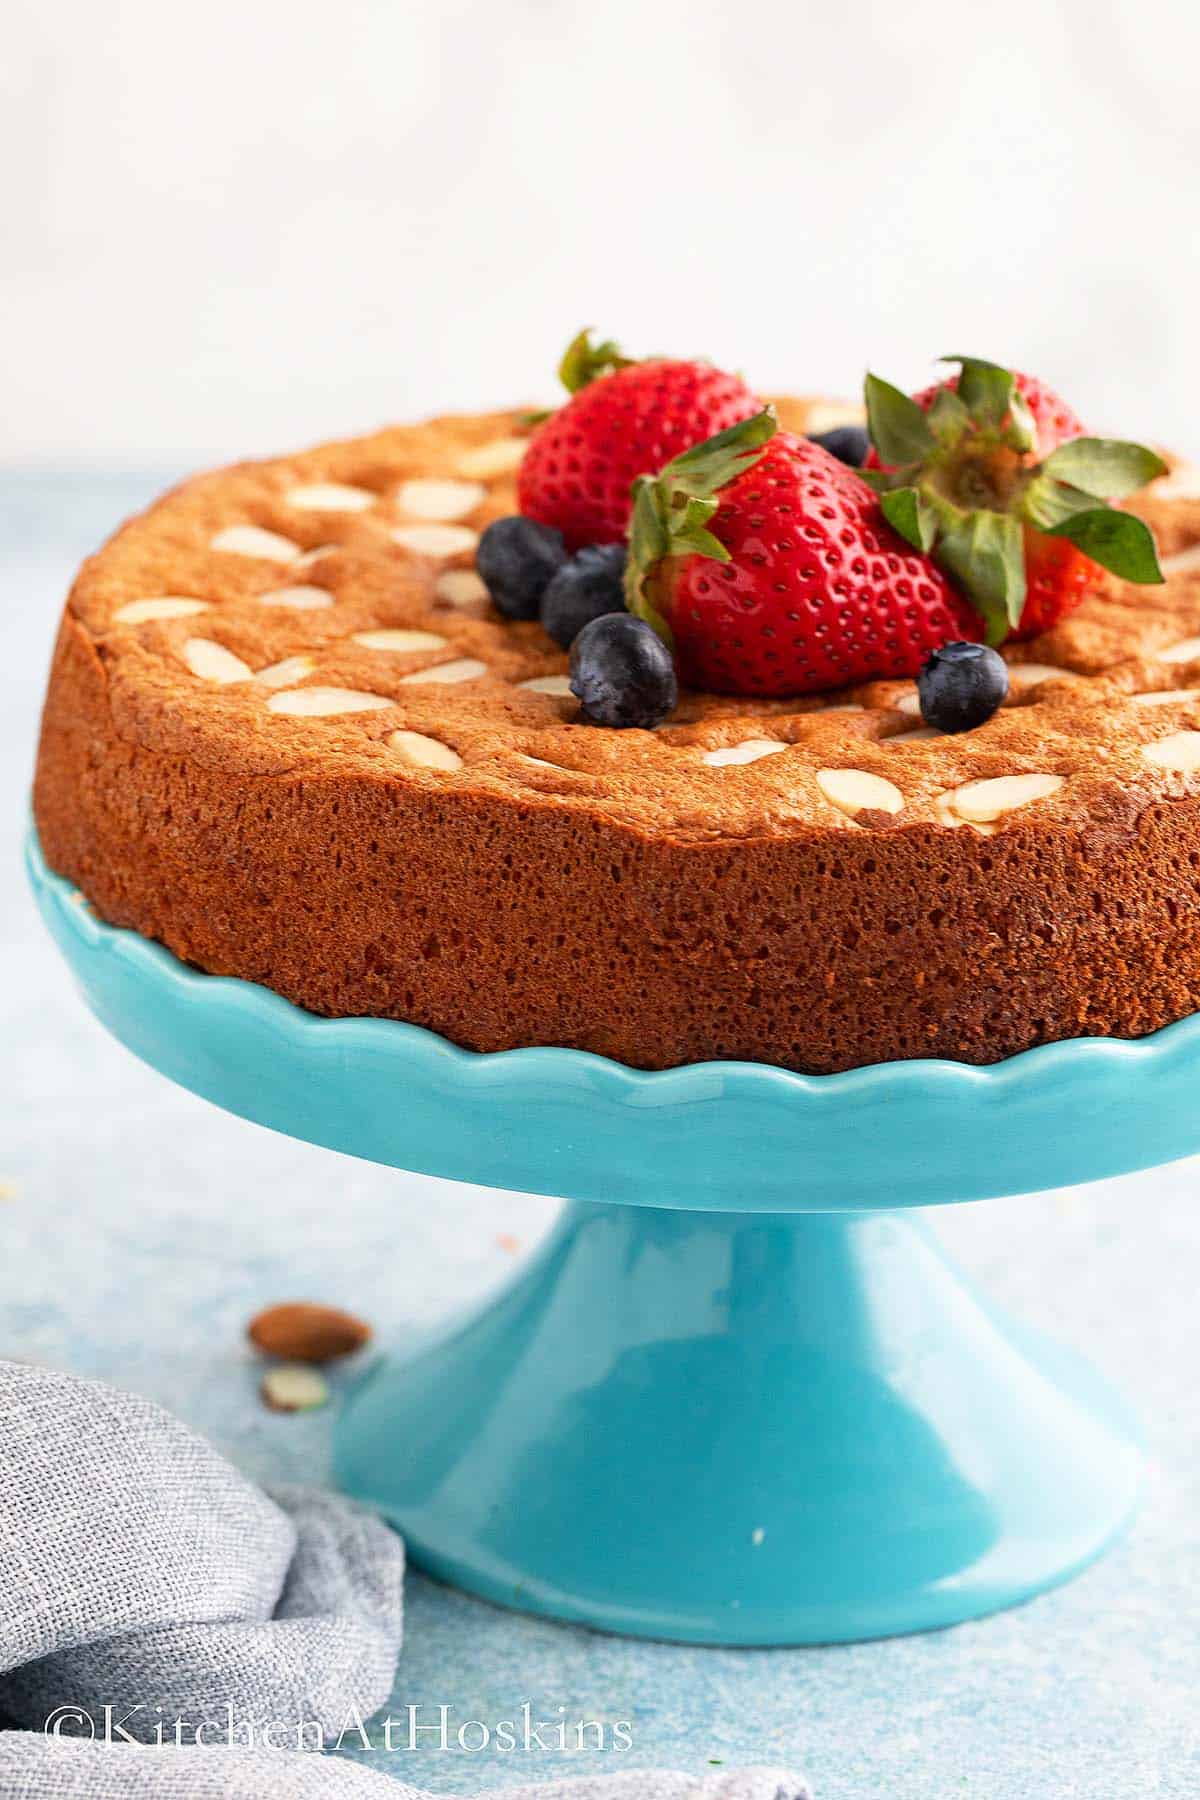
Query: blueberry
[[849, 443], [516, 558], [961, 685], [584, 589], [622, 672]]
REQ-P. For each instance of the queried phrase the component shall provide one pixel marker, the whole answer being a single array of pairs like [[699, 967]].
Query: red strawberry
[[1057, 575], [1054, 420], [989, 472], [624, 419], [773, 571], [1057, 578]]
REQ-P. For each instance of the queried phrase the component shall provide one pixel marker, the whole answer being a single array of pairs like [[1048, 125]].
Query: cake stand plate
[[739, 1395]]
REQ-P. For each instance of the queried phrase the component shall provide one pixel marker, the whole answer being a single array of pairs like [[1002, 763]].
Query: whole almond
[[302, 1331]]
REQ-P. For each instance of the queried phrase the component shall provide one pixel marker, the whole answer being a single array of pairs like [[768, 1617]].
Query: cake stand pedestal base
[[743, 1429]]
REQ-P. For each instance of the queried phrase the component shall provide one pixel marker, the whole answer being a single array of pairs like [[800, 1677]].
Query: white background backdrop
[[236, 226]]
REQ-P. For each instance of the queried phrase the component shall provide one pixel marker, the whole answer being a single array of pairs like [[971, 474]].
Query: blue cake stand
[[739, 1396]]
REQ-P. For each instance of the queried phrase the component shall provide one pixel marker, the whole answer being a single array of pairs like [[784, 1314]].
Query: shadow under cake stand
[[739, 1395]]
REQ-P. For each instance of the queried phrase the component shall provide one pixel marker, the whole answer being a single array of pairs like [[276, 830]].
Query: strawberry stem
[[961, 482], [583, 362], [671, 510]]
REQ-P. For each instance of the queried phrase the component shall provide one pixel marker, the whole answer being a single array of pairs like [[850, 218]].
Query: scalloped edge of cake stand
[[723, 1135]]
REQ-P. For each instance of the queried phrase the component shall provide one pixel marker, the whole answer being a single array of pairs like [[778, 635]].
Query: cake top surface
[[319, 614]]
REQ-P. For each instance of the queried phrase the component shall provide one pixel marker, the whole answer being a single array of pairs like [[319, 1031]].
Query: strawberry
[[770, 567], [1057, 579], [1054, 421], [990, 473], [624, 419]]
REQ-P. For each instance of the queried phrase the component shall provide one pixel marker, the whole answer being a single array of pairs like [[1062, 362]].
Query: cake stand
[[739, 1395]]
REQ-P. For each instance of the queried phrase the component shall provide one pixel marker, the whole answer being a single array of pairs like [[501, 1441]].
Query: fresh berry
[[1054, 421], [585, 588], [770, 567], [990, 473], [624, 419], [1057, 579], [516, 559], [961, 685], [849, 443], [622, 673]]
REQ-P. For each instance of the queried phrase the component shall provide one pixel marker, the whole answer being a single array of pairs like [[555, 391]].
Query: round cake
[[288, 736]]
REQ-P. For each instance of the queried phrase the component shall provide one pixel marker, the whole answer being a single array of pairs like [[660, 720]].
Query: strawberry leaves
[[583, 361], [985, 553], [1046, 502], [1118, 541], [993, 400], [960, 483], [908, 513], [706, 468], [1067, 498], [981, 550], [900, 431], [671, 510], [948, 417], [1105, 467]]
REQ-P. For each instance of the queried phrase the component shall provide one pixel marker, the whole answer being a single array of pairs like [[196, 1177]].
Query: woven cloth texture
[[144, 1580]]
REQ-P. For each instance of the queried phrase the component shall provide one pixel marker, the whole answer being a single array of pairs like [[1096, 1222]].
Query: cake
[[288, 737]]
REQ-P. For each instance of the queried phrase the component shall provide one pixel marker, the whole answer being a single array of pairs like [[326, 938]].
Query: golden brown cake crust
[[457, 850]]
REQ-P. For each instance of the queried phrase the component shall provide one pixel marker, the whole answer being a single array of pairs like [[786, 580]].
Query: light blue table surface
[[143, 1228]]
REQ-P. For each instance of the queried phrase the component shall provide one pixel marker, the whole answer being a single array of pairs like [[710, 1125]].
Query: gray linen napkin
[[139, 1571]]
